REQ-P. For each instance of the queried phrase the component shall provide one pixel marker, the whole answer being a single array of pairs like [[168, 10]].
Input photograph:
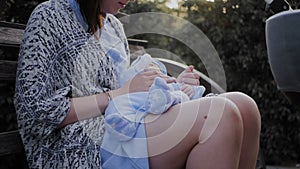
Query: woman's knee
[[232, 114], [247, 107], [224, 116], [244, 99]]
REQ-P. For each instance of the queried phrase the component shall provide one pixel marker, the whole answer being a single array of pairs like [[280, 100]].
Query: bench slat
[[11, 143], [10, 36], [138, 42], [12, 25], [7, 70]]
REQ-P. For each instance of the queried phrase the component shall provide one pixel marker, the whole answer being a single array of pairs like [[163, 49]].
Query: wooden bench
[[11, 148]]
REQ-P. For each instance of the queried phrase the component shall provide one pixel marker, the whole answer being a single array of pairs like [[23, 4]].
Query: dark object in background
[[283, 39], [277, 6]]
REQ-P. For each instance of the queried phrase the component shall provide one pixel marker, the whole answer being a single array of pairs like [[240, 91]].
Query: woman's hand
[[142, 81], [189, 77], [167, 78]]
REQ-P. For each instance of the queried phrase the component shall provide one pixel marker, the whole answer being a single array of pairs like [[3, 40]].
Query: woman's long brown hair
[[91, 11]]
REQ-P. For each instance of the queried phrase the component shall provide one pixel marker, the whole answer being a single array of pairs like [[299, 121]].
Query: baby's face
[[153, 66]]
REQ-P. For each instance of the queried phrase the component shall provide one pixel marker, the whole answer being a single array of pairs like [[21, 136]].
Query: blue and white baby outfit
[[125, 138]]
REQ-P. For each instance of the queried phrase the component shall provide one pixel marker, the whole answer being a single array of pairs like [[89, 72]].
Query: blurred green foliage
[[237, 30], [238, 33]]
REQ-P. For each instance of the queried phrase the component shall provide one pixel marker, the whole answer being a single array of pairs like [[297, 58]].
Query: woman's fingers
[[167, 78], [191, 81], [141, 82], [152, 74]]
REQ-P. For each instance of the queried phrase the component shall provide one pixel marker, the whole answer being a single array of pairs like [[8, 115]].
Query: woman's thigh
[[172, 135]]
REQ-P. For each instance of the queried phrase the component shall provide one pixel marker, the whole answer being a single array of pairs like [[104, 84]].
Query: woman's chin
[[113, 12]]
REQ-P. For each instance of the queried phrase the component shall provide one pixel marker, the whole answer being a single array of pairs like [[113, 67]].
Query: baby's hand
[[188, 89], [188, 77]]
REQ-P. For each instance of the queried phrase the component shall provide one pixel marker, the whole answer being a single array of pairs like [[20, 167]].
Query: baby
[[126, 113]]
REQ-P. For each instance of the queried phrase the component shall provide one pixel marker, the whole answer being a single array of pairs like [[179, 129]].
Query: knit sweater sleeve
[[41, 104]]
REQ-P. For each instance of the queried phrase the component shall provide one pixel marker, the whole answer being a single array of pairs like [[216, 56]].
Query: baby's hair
[[160, 66]]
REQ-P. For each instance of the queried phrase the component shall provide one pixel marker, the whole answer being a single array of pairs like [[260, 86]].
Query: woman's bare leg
[[173, 137], [251, 122]]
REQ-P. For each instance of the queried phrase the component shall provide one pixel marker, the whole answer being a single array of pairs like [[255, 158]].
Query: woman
[[67, 76]]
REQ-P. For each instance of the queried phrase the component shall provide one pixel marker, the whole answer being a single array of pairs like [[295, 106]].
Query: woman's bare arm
[[86, 107], [92, 106]]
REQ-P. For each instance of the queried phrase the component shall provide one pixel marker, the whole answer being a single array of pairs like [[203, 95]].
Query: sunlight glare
[[173, 4]]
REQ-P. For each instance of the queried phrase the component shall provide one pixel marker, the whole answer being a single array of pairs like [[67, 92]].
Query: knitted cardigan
[[59, 60]]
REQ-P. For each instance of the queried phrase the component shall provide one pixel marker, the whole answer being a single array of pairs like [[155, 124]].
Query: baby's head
[[157, 65], [154, 66], [147, 62]]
